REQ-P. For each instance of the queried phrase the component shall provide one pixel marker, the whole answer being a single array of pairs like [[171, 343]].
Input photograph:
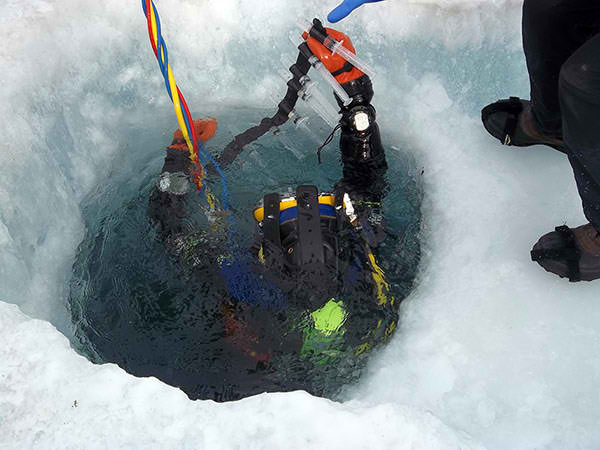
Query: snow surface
[[492, 352]]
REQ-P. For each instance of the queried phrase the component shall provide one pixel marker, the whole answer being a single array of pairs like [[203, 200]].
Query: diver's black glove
[[175, 177], [363, 213], [372, 229], [178, 168]]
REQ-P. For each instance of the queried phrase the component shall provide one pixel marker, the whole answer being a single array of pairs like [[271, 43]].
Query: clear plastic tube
[[317, 101], [306, 128], [330, 79], [337, 47], [297, 119], [339, 90]]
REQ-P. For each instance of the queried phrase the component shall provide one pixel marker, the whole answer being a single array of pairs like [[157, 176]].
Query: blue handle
[[342, 11]]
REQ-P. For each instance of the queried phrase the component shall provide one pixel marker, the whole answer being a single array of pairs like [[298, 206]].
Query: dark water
[[135, 305]]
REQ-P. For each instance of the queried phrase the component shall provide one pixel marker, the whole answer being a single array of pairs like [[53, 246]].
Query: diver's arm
[[167, 206], [362, 153], [363, 160]]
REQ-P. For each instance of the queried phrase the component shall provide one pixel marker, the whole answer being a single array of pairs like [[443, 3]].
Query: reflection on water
[[183, 319]]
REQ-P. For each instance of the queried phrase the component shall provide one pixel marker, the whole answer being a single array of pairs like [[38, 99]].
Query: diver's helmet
[[299, 247]]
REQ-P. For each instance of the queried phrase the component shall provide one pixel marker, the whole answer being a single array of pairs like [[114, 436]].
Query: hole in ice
[[207, 320]]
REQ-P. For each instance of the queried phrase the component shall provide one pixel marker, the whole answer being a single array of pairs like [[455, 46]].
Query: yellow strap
[[212, 203], [379, 277]]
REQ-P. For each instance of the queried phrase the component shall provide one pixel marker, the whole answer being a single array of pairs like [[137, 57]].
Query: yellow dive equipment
[[290, 203]]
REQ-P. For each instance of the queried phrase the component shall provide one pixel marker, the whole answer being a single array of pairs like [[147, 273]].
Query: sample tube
[[320, 67], [337, 47], [317, 101]]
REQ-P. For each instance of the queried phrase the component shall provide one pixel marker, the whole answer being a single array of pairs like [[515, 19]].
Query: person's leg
[[580, 105], [575, 253], [552, 31]]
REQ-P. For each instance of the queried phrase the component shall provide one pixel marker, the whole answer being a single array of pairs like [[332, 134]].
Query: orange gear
[[332, 62], [205, 130]]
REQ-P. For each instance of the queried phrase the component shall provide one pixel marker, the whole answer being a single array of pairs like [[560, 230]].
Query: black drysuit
[[561, 39], [364, 168]]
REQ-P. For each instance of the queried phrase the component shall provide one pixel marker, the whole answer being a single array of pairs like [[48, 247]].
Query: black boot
[[512, 122], [570, 253]]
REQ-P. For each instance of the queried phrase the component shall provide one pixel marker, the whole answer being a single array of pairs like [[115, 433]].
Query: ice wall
[[492, 351]]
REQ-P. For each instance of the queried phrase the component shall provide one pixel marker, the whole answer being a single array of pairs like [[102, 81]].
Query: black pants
[[562, 45]]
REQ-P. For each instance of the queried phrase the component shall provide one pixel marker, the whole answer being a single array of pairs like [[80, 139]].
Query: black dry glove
[[175, 175]]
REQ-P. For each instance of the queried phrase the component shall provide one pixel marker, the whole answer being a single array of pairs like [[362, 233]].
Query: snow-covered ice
[[492, 352]]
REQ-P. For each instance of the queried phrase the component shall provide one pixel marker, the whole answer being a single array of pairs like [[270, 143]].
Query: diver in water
[[561, 40], [314, 254]]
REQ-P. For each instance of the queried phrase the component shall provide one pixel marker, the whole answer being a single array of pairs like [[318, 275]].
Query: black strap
[[346, 68], [309, 226], [272, 250], [313, 275], [271, 219], [569, 253], [287, 105], [514, 108], [318, 31], [513, 105]]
